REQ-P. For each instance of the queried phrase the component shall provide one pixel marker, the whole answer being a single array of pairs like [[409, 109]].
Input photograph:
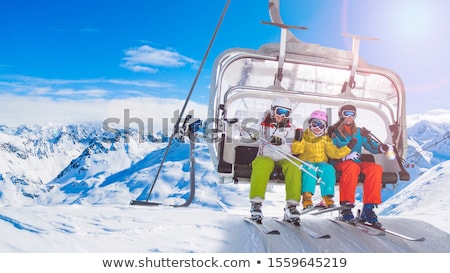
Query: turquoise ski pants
[[262, 167], [325, 172]]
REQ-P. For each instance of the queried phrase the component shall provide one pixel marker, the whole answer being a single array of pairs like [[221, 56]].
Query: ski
[[309, 210], [366, 228], [400, 235], [403, 236], [420, 239], [325, 210], [377, 231], [299, 227], [263, 227]]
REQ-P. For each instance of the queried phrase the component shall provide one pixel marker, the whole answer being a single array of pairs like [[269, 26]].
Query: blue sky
[[74, 60]]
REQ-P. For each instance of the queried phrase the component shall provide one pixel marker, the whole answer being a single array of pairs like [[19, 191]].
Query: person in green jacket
[[315, 148]]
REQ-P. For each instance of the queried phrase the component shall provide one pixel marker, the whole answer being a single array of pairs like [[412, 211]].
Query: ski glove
[[298, 134], [385, 147], [390, 153], [351, 156], [254, 135], [351, 144], [276, 140]]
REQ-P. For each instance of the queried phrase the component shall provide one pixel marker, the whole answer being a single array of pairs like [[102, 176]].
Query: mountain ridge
[[75, 159]]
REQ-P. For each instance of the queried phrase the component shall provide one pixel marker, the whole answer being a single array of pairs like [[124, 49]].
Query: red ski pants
[[349, 180]]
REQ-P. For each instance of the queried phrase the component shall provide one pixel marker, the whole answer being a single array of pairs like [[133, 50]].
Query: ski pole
[[391, 153], [287, 156], [291, 158], [235, 122]]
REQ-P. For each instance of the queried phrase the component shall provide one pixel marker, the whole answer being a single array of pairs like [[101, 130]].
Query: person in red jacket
[[351, 166]]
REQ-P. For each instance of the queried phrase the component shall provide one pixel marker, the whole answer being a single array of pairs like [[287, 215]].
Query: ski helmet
[[319, 115], [281, 107], [282, 102], [318, 121], [347, 106]]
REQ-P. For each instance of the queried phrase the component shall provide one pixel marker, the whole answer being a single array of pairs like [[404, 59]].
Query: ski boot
[[369, 216], [346, 213], [328, 201], [256, 212], [291, 213], [307, 200]]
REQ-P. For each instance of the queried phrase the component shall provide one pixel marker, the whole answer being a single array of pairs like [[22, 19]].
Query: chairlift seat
[[246, 154], [243, 165]]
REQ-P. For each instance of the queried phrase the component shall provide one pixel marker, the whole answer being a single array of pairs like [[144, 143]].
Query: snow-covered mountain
[[428, 145], [34, 158], [32, 155], [84, 164], [428, 141]]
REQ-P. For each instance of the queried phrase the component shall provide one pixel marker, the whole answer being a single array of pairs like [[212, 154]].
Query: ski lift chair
[[313, 77], [244, 81]]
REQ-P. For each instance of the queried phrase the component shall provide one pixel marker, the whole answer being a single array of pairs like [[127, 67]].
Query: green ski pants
[[262, 167]]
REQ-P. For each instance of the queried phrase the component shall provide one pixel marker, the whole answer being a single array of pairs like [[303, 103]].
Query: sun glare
[[415, 20], [410, 31]]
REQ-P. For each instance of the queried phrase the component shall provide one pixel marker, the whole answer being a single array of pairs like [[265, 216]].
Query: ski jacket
[[317, 149], [279, 134], [363, 142]]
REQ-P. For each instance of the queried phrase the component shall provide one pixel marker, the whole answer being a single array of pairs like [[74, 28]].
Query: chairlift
[[312, 77]]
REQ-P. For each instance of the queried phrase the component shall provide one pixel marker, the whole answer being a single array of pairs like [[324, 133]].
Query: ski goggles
[[281, 111], [349, 113], [317, 123]]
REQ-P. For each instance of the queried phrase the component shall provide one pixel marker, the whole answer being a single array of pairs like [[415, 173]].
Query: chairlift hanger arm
[[356, 40], [283, 39], [275, 17]]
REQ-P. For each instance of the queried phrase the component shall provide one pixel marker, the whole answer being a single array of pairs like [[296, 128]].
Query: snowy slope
[[191, 230], [427, 198]]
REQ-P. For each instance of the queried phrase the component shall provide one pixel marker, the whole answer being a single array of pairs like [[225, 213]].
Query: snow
[[88, 210], [425, 199], [214, 221]]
